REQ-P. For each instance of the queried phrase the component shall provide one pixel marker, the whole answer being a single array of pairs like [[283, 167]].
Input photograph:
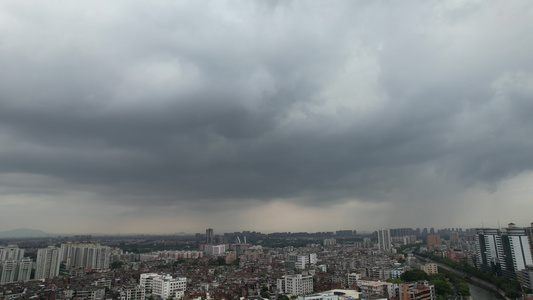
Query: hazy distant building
[[48, 261], [215, 250], [433, 240], [209, 236], [454, 238], [384, 240], [329, 242]]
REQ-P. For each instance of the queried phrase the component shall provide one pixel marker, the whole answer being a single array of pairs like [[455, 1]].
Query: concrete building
[[433, 240], [11, 252], [89, 256], [384, 240], [490, 250], [13, 265], [321, 296], [48, 261], [504, 252], [215, 249], [296, 284], [301, 261], [132, 293], [430, 268], [421, 290], [329, 242], [209, 235], [164, 286], [516, 249]]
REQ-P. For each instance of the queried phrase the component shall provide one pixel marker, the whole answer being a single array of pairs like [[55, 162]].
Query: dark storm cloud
[[187, 103]]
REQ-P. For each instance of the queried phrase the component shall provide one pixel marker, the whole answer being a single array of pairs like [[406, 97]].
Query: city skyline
[[133, 117]]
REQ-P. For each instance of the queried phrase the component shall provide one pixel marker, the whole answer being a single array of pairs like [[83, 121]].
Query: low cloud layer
[[179, 116]]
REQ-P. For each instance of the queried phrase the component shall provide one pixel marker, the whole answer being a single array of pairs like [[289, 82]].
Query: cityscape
[[266, 150], [394, 264]]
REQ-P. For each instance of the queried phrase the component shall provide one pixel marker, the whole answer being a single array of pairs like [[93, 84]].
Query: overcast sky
[[168, 116]]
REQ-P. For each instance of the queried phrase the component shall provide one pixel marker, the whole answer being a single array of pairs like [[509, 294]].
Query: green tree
[[443, 287], [116, 265], [463, 289], [414, 275]]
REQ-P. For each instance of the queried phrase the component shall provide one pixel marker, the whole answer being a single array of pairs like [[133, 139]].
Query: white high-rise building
[[163, 286], [296, 284], [24, 269], [48, 261], [89, 256], [13, 265], [215, 249], [384, 240], [518, 247], [302, 261], [490, 249], [11, 252]]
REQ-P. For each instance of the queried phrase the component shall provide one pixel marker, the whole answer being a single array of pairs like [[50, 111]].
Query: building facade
[[384, 240], [48, 261], [164, 286], [296, 284]]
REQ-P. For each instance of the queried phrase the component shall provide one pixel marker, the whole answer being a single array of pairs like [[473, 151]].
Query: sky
[[177, 116]]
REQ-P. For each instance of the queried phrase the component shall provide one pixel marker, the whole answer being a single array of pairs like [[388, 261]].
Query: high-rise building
[[13, 265], [490, 250], [89, 256], [48, 261], [164, 286], [504, 252], [11, 252], [384, 240], [296, 284], [517, 249], [433, 240], [209, 236], [302, 261], [24, 269]]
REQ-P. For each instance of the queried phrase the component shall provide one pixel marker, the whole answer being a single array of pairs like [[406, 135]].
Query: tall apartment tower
[[89, 256], [48, 261], [296, 284], [13, 265], [384, 240], [516, 248], [490, 250], [11, 252], [504, 252], [209, 236]]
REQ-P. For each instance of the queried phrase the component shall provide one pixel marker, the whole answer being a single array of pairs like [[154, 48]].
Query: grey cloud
[[195, 104]]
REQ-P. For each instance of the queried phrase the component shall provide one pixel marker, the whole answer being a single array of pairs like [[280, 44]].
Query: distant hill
[[24, 233]]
